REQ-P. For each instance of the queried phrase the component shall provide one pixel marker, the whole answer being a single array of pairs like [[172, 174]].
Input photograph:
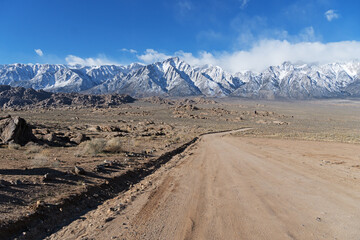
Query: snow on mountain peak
[[174, 77]]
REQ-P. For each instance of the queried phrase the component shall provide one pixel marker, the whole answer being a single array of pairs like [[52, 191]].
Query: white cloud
[[251, 30], [269, 53], [274, 52], [307, 35], [39, 52], [202, 59], [152, 55], [100, 60], [128, 50], [331, 15], [244, 3]]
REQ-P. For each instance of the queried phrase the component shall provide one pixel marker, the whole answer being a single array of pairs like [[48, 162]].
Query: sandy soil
[[227, 187]]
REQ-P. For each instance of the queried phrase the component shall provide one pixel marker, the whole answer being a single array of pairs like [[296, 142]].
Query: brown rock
[[79, 138], [79, 170], [51, 137], [15, 129]]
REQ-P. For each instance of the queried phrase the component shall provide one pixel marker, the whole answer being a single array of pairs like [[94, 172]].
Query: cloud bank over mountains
[[97, 61], [263, 54], [274, 52]]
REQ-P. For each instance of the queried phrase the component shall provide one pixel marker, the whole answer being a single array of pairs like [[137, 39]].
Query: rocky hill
[[14, 97]]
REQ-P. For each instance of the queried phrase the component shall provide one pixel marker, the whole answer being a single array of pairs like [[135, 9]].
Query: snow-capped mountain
[[303, 81], [60, 78], [174, 77]]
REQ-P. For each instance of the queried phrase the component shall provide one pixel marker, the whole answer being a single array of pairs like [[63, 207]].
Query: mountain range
[[175, 78]]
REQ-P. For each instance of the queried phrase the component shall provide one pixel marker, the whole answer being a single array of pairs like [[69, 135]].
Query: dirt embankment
[[48, 218]]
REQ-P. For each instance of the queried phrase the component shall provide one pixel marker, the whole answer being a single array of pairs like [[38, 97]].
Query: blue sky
[[235, 34]]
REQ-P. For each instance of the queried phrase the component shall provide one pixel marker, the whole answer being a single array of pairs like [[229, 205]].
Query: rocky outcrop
[[15, 129], [14, 97]]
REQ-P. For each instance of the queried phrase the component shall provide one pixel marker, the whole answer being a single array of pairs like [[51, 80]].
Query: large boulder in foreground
[[15, 129]]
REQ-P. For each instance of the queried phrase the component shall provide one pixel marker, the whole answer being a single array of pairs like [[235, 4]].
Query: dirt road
[[227, 187]]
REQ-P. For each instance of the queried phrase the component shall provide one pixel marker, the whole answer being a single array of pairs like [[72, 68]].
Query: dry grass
[[14, 146], [92, 147], [114, 145], [33, 149], [99, 145], [40, 160]]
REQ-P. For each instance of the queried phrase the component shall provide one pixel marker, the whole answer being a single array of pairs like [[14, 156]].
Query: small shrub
[[114, 145], [98, 145], [14, 146], [33, 149], [92, 147], [40, 161]]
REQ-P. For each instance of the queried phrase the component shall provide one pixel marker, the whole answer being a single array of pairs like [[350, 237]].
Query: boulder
[[15, 129], [51, 137], [79, 138], [79, 170]]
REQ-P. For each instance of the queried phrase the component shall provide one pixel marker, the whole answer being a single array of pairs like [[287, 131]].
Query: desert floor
[[288, 170], [238, 188]]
